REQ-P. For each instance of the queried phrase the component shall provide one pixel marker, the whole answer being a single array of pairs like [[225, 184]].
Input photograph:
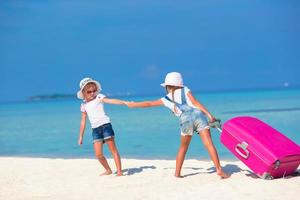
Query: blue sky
[[48, 46]]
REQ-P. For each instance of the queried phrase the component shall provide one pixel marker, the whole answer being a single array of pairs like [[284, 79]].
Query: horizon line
[[66, 96]]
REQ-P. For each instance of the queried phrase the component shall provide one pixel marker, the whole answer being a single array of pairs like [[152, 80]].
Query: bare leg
[[184, 144], [114, 151], [207, 141], [98, 147]]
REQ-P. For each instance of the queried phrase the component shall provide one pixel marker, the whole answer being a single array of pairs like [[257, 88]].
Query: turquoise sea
[[50, 128]]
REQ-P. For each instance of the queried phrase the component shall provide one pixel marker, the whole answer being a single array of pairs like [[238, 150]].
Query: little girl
[[92, 106], [192, 118]]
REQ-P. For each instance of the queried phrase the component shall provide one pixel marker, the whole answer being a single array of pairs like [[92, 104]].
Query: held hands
[[130, 104]]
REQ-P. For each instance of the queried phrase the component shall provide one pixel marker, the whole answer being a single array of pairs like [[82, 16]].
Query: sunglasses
[[91, 91]]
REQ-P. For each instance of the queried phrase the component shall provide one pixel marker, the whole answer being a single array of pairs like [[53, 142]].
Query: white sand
[[63, 179]]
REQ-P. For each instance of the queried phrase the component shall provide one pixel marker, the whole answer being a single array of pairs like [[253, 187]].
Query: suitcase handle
[[243, 146], [216, 124]]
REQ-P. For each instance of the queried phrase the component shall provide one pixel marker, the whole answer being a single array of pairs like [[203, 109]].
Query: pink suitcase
[[266, 151]]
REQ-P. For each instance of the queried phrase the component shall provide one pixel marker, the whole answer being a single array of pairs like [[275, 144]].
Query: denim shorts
[[193, 121], [103, 133]]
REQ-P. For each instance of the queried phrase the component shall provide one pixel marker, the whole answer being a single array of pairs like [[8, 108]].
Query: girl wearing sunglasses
[[92, 107]]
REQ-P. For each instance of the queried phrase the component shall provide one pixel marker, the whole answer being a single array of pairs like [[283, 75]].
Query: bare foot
[[178, 176], [119, 174], [223, 175], [108, 172]]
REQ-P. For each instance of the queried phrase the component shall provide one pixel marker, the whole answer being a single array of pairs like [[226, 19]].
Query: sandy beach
[[44, 178]]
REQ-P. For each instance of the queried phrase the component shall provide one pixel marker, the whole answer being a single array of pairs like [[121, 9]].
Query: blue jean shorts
[[103, 133], [193, 121]]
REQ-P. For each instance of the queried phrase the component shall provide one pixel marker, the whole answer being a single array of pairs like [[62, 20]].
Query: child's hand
[[211, 118], [80, 140]]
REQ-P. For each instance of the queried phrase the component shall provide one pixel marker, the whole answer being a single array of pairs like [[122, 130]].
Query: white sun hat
[[173, 79], [83, 83]]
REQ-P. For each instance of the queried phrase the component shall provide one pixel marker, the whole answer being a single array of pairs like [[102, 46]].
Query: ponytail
[[172, 89]]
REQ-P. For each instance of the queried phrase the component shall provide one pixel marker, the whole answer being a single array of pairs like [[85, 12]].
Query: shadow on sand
[[131, 171], [195, 173], [254, 176], [229, 169], [232, 169]]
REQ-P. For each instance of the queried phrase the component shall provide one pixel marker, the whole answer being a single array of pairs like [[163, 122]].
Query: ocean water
[[50, 128]]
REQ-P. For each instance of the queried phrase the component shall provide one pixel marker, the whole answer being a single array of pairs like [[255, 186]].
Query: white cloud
[[151, 72]]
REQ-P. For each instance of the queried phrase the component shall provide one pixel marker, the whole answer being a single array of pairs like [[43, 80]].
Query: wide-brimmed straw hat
[[83, 83], [173, 79]]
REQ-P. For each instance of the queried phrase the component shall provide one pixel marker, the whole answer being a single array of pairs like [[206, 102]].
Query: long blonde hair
[[171, 88]]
